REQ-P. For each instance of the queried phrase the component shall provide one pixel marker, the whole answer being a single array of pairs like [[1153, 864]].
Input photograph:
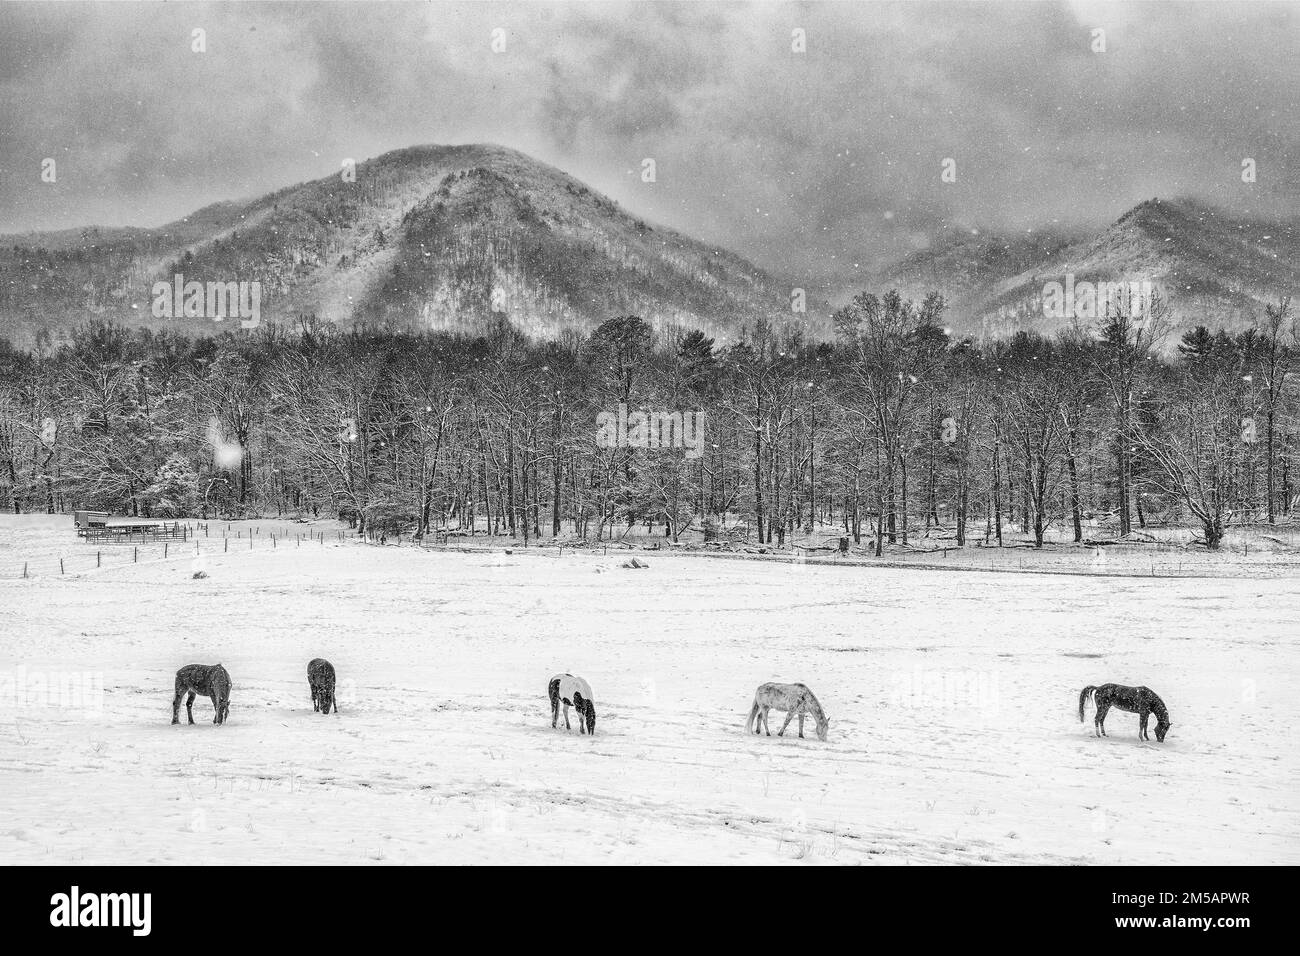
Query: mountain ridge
[[1213, 268], [449, 238], [458, 238]]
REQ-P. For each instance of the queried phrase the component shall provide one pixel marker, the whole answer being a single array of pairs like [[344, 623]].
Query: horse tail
[[1083, 699], [753, 712]]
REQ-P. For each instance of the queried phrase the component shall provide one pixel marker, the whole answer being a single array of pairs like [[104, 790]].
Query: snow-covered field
[[954, 733]]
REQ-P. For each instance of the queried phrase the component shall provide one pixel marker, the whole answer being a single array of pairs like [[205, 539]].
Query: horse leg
[[555, 711], [1142, 725], [189, 706], [176, 705], [216, 708], [1101, 719], [767, 724], [789, 716], [566, 716], [801, 724]]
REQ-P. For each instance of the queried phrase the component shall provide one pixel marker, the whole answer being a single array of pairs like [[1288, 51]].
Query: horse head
[[1162, 728]]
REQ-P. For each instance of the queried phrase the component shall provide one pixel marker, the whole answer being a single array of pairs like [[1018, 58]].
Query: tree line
[[894, 431]]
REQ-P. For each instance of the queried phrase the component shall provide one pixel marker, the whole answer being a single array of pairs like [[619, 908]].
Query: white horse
[[794, 699]]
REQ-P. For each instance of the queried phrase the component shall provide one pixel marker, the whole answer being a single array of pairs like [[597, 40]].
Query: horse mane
[[815, 706], [1159, 709]]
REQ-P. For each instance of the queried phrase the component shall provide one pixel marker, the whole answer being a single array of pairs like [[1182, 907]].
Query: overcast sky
[[817, 161]]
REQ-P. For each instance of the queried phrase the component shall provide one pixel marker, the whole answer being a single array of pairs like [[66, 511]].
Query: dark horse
[[1142, 701], [210, 680], [320, 676]]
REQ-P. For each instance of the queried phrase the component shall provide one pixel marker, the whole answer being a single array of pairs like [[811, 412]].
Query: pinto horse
[[573, 692], [1142, 701]]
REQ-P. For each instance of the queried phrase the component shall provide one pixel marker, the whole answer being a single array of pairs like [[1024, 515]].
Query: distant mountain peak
[[1215, 268], [452, 238]]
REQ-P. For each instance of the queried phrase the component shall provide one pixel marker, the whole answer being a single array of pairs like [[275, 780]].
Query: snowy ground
[[953, 694]]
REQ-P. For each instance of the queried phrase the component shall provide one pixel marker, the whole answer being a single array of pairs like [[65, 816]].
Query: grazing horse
[[1135, 700], [320, 677], [794, 699], [210, 680], [575, 692]]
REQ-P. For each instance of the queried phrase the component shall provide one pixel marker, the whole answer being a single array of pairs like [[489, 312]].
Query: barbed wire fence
[[201, 538], [1158, 557]]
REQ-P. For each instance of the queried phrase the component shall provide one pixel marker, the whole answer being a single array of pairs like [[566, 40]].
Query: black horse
[[320, 677], [210, 680], [1142, 701]]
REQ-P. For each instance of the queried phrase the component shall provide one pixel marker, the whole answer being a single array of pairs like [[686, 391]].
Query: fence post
[[24, 569], [136, 557], [164, 549], [227, 547], [99, 558], [60, 565]]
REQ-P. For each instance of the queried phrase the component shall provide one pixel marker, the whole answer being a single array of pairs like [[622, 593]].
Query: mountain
[[431, 237], [1214, 269], [965, 264], [459, 237]]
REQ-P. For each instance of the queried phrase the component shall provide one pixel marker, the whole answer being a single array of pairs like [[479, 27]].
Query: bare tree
[[1195, 448]]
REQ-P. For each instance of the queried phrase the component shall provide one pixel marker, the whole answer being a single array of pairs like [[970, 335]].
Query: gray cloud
[[808, 163]]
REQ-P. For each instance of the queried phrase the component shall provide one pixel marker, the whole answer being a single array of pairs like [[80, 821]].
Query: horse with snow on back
[[210, 680], [320, 678], [1142, 701], [795, 700]]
